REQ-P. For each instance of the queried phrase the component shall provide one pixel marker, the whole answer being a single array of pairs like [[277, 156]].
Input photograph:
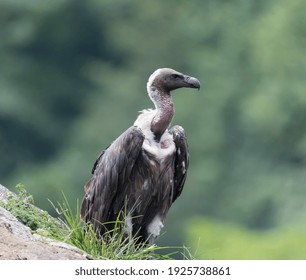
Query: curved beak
[[192, 82]]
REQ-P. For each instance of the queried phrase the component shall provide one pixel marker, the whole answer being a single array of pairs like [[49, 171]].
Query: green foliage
[[23, 209], [215, 240]]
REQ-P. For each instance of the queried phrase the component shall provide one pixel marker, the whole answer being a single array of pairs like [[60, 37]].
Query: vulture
[[137, 178]]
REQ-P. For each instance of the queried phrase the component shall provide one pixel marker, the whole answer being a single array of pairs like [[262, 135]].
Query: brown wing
[[181, 161], [105, 191]]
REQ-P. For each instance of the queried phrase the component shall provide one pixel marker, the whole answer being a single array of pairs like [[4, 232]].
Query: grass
[[112, 245], [69, 228]]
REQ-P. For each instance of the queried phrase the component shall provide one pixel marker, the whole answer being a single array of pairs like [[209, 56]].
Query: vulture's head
[[167, 79]]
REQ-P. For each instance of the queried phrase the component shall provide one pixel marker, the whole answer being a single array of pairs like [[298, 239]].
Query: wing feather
[[181, 162], [105, 191]]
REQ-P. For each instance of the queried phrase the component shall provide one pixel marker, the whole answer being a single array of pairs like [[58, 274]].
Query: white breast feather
[[150, 145]]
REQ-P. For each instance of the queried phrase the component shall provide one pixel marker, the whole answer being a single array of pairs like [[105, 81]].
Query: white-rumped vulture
[[140, 175]]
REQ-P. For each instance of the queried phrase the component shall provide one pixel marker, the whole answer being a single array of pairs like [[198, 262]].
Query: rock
[[17, 241], [4, 192]]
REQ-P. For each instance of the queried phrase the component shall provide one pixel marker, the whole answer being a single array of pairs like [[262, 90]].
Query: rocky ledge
[[18, 242]]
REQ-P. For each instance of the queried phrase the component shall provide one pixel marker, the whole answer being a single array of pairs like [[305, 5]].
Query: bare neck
[[164, 112]]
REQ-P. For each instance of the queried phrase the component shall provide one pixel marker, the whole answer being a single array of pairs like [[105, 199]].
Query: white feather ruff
[[160, 149]]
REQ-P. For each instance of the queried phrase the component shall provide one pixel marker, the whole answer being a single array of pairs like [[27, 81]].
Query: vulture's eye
[[175, 76]]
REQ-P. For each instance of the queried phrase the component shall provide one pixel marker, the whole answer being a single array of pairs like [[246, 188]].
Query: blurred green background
[[73, 77]]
